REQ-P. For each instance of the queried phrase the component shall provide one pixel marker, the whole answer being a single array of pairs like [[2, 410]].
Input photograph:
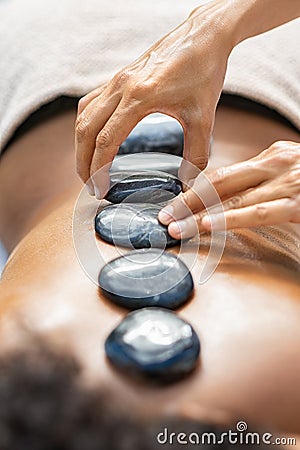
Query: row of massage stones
[[151, 340]]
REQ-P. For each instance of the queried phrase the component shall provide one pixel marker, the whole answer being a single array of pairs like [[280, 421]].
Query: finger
[[88, 125], [188, 202], [264, 193], [82, 104], [187, 228], [84, 101], [108, 141], [267, 213], [196, 149], [224, 181]]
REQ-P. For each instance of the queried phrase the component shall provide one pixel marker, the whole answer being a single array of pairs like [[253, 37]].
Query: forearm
[[253, 17]]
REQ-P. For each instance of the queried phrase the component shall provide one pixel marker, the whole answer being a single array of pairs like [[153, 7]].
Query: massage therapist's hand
[[181, 75], [264, 190]]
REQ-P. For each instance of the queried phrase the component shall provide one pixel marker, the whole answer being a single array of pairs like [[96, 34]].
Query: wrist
[[216, 16], [238, 20], [247, 18]]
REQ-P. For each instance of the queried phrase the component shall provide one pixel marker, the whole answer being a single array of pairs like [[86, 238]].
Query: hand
[[181, 75], [264, 190]]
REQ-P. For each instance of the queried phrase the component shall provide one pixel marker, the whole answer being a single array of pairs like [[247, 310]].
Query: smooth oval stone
[[155, 133], [140, 162], [154, 342], [136, 187], [133, 226], [146, 278]]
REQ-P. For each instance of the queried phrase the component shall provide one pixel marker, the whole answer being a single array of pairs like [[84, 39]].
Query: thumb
[[196, 150]]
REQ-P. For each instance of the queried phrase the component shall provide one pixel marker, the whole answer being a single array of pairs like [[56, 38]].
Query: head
[[44, 405]]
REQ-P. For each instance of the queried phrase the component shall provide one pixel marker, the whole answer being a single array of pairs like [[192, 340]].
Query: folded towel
[[68, 47], [266, 69]]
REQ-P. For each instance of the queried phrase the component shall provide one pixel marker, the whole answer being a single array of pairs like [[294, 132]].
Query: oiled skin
[[247, 315]]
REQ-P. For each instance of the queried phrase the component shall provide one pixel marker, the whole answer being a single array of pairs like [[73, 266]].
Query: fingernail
[[177, 228], [97, 192], [206, 222], [90, 189], [166, 214], [214, 221]]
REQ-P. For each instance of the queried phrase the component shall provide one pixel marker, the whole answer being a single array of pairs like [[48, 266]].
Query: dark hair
[[44, 406]]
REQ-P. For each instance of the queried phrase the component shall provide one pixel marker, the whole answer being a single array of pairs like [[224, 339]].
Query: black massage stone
[[139, 162], [133, 226], [154, 342], [155, 133], [145, 187], [146, 278]]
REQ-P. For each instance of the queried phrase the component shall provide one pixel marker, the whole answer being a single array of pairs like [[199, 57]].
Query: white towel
[[68, 47], [266, 69]]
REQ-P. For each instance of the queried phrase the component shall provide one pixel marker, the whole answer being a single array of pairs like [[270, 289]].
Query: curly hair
[[44, 406]]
